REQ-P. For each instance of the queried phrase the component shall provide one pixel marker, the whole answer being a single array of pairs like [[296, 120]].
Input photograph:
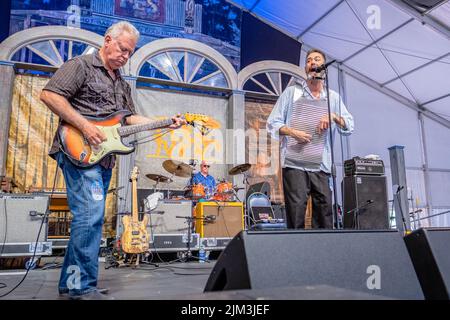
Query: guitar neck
[[127, 130], [134, 203]]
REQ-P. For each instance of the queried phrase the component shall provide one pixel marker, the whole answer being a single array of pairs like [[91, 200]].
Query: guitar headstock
[[202, 120], [134, 173], [196, 117]]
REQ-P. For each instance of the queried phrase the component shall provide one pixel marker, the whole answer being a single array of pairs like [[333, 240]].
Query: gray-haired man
[[90, 85]]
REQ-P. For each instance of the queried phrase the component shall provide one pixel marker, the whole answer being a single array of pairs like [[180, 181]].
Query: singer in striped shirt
[[300, 180]]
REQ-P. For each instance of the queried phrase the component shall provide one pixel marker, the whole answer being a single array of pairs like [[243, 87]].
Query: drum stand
[[246, 216]]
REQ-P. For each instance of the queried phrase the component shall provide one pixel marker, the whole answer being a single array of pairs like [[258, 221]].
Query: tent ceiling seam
[[436, 99], [437, 5], [424, 19], [394, 95], [319, 19], [254, 5], [416, 68], [379, 39], [382, 52]]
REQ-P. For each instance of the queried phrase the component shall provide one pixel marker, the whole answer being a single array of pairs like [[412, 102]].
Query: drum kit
[[224, 190]]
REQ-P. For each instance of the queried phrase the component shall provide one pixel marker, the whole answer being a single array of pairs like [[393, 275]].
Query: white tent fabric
[[400, 53], [398, 85]]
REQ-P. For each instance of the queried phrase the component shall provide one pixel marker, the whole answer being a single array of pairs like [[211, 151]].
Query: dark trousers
[[297, 186]]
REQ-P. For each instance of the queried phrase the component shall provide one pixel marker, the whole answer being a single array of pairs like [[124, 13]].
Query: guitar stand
[[136, 263]]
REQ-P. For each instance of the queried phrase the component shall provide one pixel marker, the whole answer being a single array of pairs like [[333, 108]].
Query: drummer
[[203, 177]]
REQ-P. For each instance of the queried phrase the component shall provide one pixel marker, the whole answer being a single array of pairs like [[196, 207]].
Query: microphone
[[417, 211], [321, 67], [34, 213], [209, 218]]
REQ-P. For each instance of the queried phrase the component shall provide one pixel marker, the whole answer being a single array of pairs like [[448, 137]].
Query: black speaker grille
[[368, 193]]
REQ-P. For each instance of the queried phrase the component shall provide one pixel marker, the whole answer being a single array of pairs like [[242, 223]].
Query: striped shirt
[[282, 111]]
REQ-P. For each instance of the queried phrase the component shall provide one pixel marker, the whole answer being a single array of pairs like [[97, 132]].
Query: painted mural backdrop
[[213, 22], [261, 150]]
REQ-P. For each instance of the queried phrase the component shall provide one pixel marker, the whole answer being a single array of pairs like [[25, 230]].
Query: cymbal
[[239, 169], [178, 168], [114, 189], [158, 178]]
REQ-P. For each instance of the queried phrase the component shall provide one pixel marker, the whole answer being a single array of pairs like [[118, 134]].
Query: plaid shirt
[[86, 84]]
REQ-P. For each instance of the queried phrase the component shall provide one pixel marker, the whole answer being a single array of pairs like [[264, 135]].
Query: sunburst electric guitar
[[82, 154], [135, 238]]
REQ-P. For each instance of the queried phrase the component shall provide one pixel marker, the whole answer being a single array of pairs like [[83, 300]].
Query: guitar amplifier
[[163, 220], [169, 225], [219, 219], [359, 166], [20, 220]]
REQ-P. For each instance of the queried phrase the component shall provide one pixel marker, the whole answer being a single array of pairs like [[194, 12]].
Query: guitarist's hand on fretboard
[[178, 121]]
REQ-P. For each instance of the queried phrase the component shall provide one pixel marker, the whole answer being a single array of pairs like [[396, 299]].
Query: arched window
[[183, 61], [51, 52], [269, 77], [49, 45], [186, 67]]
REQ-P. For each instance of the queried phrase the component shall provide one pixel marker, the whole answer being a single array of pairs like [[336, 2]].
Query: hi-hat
[[178, 168], [158, 178], [239, 169]]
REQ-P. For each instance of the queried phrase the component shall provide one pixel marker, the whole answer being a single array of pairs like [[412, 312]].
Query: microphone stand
[[356, 213], [336, 223], [188, 253]]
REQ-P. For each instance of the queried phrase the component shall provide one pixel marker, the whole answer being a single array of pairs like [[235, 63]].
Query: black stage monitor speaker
[[366, 198], [373, 262], [430, 255]]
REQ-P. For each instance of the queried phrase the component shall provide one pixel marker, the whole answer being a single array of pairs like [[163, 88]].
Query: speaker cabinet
[[369, 195], [16, 221], [373, 262], [219, 219], [428, 248], [164, 218]]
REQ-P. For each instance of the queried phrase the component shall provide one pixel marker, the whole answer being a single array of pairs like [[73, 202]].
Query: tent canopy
[[403, 49]]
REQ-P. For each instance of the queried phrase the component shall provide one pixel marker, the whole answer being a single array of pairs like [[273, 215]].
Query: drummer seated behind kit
[[204, 178]]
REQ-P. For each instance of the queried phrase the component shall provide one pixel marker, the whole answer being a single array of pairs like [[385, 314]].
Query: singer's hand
[[324, 123], [300, 136]]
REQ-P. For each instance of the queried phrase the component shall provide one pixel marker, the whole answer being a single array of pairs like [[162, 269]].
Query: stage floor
[[146, 282], [177, 281]]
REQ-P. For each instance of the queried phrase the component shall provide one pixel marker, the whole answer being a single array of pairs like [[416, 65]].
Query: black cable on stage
[[2, 284], [6, 227]]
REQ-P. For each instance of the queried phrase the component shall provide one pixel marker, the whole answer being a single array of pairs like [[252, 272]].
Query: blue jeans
[[86, 195]]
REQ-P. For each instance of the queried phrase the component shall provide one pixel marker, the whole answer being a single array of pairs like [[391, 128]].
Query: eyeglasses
[[206, 165]]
